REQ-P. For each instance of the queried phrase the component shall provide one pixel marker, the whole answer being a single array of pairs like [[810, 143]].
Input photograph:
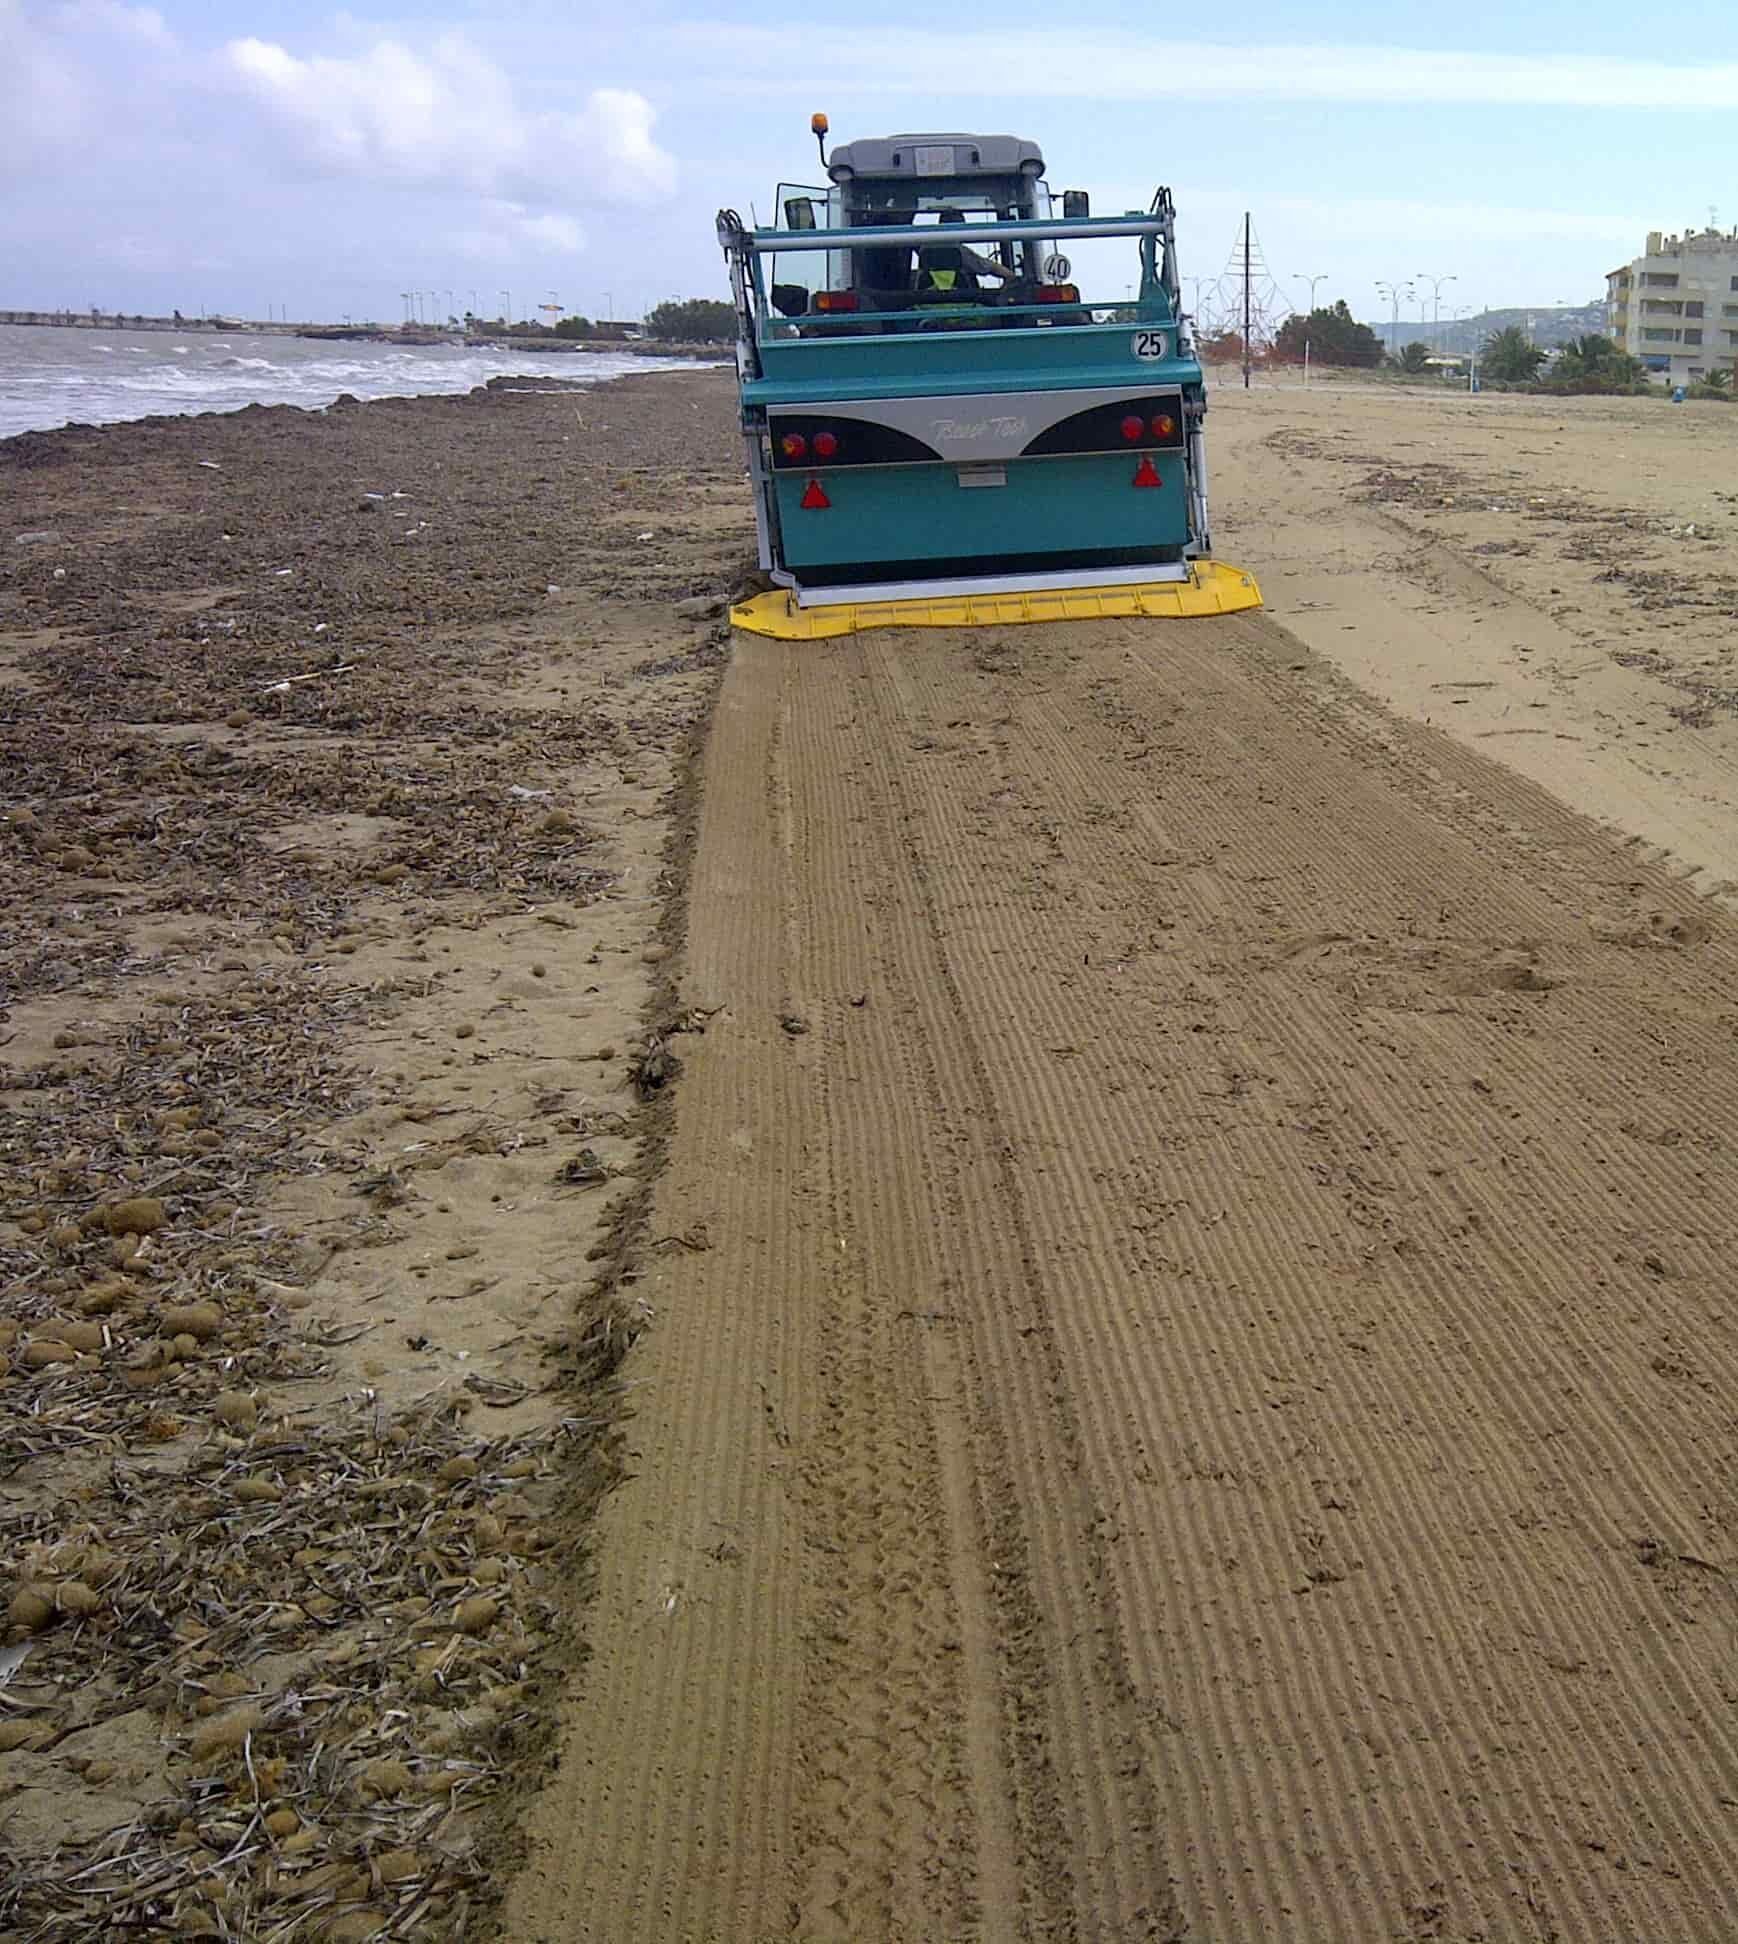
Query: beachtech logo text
[[973, 431]]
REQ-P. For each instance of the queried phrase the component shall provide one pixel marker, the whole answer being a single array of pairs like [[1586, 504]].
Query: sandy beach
[[1039, 1283]]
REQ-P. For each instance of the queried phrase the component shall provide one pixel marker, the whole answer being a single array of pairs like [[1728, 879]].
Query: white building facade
[[1676, 307]]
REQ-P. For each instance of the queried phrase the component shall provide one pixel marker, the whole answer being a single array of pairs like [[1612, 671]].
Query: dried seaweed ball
[[456, 1469], [235, 1408], [73, 1596], [31, 1609], [102, 1297], [40, 1352], [144, 1215], [225, 1731], [386, 1778], [476, 1615], [197, 1320]]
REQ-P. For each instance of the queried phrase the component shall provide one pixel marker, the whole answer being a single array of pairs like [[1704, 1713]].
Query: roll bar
[[762, 242]]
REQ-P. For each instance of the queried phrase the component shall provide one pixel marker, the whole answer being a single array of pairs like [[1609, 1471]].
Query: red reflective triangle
[[1147, 474], [814, 496]]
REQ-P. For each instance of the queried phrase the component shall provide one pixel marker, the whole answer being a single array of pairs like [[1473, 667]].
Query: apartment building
[[1676, 307]]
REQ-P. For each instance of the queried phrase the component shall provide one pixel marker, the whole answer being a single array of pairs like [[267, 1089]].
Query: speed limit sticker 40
[[1149, 344]]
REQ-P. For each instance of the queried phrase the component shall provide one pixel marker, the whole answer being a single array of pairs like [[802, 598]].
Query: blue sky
[[261, 153]]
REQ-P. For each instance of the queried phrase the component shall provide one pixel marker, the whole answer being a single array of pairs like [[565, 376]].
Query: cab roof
[[914, 156]]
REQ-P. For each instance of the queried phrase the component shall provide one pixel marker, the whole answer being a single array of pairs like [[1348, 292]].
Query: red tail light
[[1058, 293], [1163, 426], [793, 445], [835, 300], [826, 444], [1132, 428]]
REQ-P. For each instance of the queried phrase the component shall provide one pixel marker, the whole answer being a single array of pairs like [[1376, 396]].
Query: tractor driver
[[951, 270]]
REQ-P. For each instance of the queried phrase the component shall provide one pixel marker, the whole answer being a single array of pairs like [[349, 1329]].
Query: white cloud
[[50, 103], [513, 232], [616, 127], [449, 118], [551, 232], [141, 155], [1110, 67]]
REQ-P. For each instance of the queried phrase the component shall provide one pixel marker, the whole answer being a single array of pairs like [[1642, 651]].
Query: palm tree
[[1511, 357]]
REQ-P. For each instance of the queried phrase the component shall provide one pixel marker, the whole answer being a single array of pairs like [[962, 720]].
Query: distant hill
[[1545, 324]]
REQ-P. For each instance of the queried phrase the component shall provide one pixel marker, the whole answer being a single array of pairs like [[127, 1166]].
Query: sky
[[259, 157]]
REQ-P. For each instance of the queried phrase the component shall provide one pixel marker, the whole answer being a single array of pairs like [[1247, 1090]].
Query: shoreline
[[320, 373]]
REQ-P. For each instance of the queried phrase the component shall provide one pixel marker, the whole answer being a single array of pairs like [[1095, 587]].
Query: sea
[[51, 377]]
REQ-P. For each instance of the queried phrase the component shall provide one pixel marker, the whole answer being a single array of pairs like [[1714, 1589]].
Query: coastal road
[[1189, 1390]]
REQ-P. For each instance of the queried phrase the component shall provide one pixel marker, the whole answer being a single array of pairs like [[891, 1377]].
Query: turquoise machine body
[[917, 426]]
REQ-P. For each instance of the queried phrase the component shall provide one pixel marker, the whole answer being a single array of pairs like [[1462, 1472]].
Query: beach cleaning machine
[[941, 430]]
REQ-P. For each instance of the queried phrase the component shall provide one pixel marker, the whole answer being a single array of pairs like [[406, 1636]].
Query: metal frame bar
[[1202, 540], [911, 590], [768, 242]]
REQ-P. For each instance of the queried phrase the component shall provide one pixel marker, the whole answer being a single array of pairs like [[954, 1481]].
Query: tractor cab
[[938, 185]]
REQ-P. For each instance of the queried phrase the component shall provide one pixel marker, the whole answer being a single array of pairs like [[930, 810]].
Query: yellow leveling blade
[[1212, 588]]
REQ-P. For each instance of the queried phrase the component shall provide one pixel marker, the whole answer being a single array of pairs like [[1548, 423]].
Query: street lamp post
[[1297, 276], [1393, 292], [1436, 284], [506, 310]]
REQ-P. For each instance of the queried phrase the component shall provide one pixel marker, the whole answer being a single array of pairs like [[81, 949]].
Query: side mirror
[[1076, 204], [799, 213], [790, 300]]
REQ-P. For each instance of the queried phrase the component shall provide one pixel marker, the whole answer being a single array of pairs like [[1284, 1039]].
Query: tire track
[[889, 1828], [923, 1121]]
